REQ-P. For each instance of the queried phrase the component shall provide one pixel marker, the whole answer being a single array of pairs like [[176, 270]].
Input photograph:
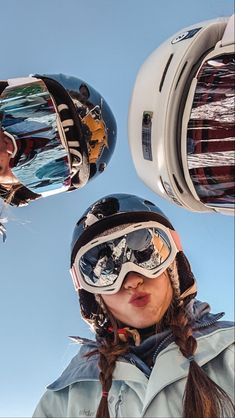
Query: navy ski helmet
[[62, 132], [115, 211]]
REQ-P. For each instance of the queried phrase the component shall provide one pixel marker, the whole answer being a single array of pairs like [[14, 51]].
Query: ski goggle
[[29, 114], [147, 248], [211, 133]]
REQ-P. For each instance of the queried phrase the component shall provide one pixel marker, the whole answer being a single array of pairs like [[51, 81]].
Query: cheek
[[162, 293], [2, 165], [111, 300], [4, 158], [114, 303]]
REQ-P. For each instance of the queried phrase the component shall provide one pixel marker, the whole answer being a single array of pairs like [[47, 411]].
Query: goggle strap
[[67, 123], [75, 279], [62, 107], [73, 143], [72, 128], [176, 239]]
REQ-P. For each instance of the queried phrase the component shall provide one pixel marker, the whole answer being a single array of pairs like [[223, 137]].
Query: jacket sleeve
[[52, 404], [221, 370]]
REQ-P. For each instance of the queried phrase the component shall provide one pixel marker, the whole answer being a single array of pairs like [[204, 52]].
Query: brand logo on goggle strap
[[170, 192], [185, 35]]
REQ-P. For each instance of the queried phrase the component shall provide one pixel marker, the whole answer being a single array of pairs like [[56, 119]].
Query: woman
[[158, 351]]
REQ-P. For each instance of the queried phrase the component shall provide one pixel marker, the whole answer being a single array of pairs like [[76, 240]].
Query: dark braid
[[182, 332], [202, 397], [109, 353], [110, 347]]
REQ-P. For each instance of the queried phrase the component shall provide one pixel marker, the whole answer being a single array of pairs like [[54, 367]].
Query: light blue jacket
[[136, 390]]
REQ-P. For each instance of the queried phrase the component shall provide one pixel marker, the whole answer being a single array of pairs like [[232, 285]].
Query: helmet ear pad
[[88, 305], [186, 276]]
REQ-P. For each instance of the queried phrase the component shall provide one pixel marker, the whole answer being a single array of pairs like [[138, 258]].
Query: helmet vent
[[164, 72], [181, 73], [148, 203]]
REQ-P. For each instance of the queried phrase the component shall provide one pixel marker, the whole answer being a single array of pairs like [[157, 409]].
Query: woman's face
[[141, 302]]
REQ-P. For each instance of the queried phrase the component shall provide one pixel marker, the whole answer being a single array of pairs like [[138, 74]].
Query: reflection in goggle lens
[[28, 113], [148, 248], [211, 132]]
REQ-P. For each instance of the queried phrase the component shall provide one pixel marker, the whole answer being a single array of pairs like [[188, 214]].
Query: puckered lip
[[137, 295]]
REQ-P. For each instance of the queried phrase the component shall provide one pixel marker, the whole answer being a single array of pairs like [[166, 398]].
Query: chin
[[141, 325]]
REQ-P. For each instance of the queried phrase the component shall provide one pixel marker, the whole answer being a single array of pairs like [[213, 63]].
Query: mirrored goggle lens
[[147, 248], [211, 133], [41, 162]]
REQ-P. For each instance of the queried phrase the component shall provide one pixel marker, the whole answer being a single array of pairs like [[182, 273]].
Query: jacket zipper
[[211, 322], [156, 352], [119, 401], [206, 324]]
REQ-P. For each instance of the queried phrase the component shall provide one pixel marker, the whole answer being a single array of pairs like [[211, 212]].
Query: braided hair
[[207, 399]]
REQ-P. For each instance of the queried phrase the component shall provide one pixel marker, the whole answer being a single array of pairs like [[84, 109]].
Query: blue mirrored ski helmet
[[121, 233], [57, 132]]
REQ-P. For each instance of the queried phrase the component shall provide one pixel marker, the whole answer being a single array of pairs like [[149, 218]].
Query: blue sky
[[103, 42]]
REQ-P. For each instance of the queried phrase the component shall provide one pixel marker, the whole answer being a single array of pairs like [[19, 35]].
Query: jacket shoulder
[[221, 370], [52, 401], [81, 367]]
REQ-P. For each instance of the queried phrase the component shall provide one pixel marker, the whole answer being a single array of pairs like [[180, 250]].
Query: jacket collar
[[82, 368]]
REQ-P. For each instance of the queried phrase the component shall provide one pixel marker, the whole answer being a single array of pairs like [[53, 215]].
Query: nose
[[132, 280]]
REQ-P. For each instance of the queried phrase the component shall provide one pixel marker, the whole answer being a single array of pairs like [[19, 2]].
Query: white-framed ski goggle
[[147, 248]]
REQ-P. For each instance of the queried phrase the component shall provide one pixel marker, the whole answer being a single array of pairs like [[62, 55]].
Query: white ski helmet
[[181, 118]]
